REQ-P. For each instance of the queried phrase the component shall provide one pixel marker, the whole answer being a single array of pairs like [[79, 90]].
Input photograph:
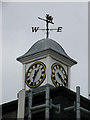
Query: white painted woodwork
[[48, 61], [21, 104]]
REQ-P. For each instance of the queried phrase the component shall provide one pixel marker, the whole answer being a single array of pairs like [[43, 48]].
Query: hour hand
[[37, 71]]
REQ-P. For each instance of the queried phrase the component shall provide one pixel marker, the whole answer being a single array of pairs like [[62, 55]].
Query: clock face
[[58, 75], [35, 74]]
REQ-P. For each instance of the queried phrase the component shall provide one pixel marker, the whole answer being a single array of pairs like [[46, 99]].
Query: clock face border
[[53, 78], [31, 67]]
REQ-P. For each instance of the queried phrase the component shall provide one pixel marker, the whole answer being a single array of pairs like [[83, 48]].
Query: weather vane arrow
[[49, 19]]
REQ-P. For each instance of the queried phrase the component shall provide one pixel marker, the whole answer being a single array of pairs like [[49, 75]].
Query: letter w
[[35, 29]]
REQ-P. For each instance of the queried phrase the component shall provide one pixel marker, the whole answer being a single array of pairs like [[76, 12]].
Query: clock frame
[[35, 74], [58, 75]]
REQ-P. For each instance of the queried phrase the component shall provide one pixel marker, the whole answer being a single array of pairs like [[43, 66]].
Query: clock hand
[[34, 76], [36, 71], [61, 78]]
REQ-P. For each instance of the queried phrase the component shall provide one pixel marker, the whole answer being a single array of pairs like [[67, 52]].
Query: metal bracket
[[70, 107], [56, 107], [38, 107], [84, 110]]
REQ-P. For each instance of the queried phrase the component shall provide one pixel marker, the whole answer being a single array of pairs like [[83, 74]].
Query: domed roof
[[45, 44]]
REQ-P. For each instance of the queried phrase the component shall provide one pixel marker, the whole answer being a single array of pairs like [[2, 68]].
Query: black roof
[[60, 95], [54, 92]]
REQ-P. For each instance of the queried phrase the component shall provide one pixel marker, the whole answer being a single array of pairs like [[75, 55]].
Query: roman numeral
[[53, 73], [27, 76], [28, 81], [43, 72], [41, 77], [42, 68], [53, 77], [35, 29], [35, 65]]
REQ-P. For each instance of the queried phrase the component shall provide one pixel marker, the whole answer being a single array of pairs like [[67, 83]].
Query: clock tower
[[46, 62]]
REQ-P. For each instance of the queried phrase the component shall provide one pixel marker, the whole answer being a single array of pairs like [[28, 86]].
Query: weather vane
[[49, 19]]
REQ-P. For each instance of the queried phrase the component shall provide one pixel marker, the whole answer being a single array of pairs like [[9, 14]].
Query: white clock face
[[35, 74], [58, 75]]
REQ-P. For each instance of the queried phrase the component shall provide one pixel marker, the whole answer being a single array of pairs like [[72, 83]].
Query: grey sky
[[18, 18]]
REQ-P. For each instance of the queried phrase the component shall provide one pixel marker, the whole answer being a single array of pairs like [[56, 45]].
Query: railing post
[[47, 103], [78, 103], [29, 104]]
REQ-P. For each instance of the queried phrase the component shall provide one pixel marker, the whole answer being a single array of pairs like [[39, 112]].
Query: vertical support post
[[69, 77], [21, 104], [78, 103], [23, 77], [29, 104], [47, 103]]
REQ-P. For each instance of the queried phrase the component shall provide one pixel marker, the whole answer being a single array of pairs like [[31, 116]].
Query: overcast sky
[[17, 20]]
